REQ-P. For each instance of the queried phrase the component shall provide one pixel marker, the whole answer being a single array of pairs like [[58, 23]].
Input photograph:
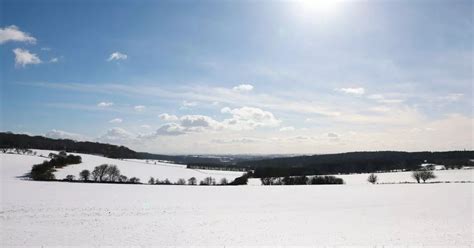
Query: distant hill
[[11, 140], [355, 162], [352, 162]]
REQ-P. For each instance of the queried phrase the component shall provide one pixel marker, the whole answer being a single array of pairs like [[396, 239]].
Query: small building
[[430, 166]]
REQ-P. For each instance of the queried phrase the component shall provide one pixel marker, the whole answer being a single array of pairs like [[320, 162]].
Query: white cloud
[[170, 129], [116, 120], [117, 56], [59, 134], [243, 88], [286, 129], [352, 91], [139, 108], [145, 126], [249, 118], [168, 117], [198, 122], [116, 135], [105, 104], [24, 57], [54, 60], [13, 33]]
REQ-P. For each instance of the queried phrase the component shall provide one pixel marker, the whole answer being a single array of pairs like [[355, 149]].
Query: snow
[[141, 169], [75, 214], [397, 177]]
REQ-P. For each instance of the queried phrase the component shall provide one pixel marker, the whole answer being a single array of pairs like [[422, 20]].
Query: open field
[[140, 169], [59, 214]]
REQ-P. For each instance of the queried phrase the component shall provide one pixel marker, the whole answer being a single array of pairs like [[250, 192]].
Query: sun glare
[[318, 7]]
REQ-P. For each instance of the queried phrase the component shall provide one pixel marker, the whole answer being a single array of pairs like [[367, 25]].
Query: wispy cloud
[[139, 108], [105, 104], [117, 56], [352, 91], [243, 88], [116, 120]]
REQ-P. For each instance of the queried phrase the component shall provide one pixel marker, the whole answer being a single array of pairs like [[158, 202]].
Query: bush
[[42, 172], [134, 180], [372, 178], [69, 178], [326, 180]]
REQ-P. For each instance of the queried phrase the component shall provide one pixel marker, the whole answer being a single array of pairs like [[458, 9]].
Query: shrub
[[372, 178], [42, 172], [134, 180], [326, 180], [69, 178], [427, 175]]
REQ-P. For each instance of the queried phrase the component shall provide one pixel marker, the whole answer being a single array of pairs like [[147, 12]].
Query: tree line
[[301, 180], [45, 170], [355, 162], [107, 173]]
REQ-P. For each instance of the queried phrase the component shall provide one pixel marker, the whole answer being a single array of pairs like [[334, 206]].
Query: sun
[[318, 7]]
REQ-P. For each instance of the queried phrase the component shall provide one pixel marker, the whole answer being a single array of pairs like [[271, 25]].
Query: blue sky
[[240, 76]]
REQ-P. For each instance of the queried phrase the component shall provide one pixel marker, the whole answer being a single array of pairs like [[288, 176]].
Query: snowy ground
[[63, 214], [141, 169], [398, 177]]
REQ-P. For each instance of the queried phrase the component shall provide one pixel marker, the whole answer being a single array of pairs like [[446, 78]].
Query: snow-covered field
[[400, 177], [74, 214], [140, 169]]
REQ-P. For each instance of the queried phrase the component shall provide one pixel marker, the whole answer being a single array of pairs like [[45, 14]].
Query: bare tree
[[427, 175], [208, 181], [192, 181], [100, 172], [417, 176], [85, 175], [372, 178], [113, 173], [181, 181]]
